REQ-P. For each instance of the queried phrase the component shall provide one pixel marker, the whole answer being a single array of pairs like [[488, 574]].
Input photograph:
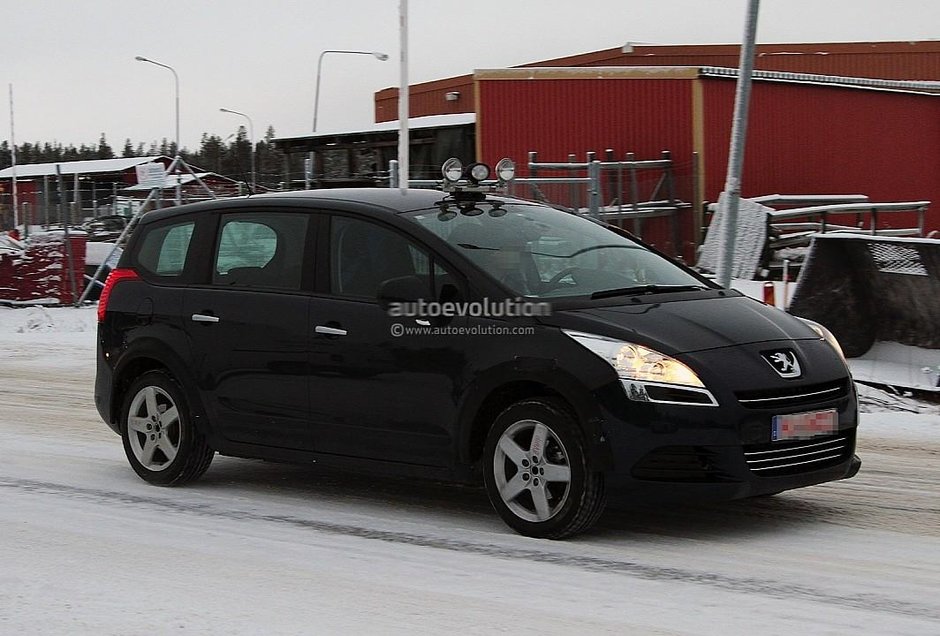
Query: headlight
[[826, 335], [647, 375], [636, 362]]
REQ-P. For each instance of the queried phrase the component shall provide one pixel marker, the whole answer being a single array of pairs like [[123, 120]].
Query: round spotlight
[[452, 170], [477, 172], [506, 169]]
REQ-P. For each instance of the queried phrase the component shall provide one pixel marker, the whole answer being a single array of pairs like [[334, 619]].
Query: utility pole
[[732, 192]]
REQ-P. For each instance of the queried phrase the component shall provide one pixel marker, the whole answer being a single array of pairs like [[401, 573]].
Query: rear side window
[[163, 250], [264, 249]]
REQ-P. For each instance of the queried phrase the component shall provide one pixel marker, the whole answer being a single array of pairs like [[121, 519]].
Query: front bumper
[[682, 452]]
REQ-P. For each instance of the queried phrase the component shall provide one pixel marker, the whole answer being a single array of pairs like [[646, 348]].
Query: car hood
[[688, 325]]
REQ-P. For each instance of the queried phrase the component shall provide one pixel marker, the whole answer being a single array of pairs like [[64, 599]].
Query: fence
[[638, 195], [789, 222]]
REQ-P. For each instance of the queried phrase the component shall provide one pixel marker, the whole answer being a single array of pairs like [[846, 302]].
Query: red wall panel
[[556, 117], [803, 138], [809, 139]]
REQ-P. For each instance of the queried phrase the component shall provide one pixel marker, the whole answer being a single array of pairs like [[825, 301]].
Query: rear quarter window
[[164, 250]]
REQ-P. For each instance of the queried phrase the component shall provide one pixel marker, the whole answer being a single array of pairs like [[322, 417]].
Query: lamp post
[[176, 79], [251, 139], [316, 96]]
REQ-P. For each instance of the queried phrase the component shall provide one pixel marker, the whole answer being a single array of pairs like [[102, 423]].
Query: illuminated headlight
[[826, 335], [646, 374], [505, 169], [477, 172], [452, 170]]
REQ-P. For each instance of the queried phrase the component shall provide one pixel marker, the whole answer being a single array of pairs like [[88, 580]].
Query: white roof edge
[[875, 237], [85, 166], [727, 71], [864, 82], [429, 121]]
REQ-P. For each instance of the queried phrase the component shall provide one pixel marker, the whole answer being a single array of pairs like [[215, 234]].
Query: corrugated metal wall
[[880, 60], [803, 138], [557, 117], [427, 98], [812, 139]]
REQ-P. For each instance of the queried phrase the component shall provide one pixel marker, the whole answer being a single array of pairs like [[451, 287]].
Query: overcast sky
[[72, 67]]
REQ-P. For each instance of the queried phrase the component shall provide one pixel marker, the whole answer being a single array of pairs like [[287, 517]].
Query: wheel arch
[[485, 402], [151, 356]]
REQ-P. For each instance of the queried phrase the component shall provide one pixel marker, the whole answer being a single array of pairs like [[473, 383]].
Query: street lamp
[[176, 79], [251, 139], [316, 97]]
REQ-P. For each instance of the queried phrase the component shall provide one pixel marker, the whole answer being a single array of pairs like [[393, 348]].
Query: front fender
[[528, 377]]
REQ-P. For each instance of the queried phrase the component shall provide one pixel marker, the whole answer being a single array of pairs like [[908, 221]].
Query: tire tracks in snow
[[748, 585]]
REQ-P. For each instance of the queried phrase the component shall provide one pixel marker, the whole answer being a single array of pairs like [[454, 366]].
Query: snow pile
[[40, 319], [10, 246], [875, 400]]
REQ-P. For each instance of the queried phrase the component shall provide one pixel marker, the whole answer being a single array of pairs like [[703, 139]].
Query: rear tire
[[161, 442], [537, 474]]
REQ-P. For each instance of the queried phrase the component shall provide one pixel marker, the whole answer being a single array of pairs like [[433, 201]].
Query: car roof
[[392, 200]]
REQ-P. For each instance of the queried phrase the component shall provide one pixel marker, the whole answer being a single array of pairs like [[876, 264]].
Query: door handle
[[204, 318], [329, 331]]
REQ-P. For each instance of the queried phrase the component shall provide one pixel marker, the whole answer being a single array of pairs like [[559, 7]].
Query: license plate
[[804, 425]]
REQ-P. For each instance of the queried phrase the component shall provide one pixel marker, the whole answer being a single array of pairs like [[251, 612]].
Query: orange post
[[769, 298]]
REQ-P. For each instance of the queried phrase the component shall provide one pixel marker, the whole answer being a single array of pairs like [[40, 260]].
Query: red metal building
[[818, 124], [883, 60], [808, 134]]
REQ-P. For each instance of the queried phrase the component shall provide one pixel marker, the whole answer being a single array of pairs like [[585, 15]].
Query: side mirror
[[402, 290]]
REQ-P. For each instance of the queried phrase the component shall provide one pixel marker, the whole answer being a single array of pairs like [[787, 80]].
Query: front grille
[[678, 463], [794, 395], [790, 458]]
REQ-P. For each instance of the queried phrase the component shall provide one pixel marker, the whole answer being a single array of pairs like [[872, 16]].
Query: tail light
[[114, 278]]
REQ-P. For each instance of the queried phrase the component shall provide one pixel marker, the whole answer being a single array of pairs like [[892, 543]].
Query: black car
[[464, 336], [105, 228]]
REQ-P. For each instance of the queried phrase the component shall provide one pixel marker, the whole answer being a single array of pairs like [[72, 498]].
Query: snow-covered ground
[[261, 548]]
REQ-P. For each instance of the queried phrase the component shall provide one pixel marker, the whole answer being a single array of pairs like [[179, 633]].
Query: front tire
[[537, 474], [161, 442]]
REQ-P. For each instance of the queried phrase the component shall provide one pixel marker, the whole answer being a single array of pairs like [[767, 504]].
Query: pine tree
[[104, 150]]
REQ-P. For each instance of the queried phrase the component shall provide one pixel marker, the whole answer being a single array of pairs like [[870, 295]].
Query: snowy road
[[88, 548]]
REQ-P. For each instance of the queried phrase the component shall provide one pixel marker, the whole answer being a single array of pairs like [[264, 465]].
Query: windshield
[[541, 252]]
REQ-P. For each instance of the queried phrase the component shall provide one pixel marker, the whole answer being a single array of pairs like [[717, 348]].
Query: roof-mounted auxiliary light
[[475, 177], [477, 172], [505, 170], [452, 170]]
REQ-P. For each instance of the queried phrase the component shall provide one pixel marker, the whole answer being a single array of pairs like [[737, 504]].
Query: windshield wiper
[[644, 289], [587, 249], [471, 246]]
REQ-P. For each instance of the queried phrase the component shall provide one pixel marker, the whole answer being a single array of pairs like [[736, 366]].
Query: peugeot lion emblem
[[784, 362]]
